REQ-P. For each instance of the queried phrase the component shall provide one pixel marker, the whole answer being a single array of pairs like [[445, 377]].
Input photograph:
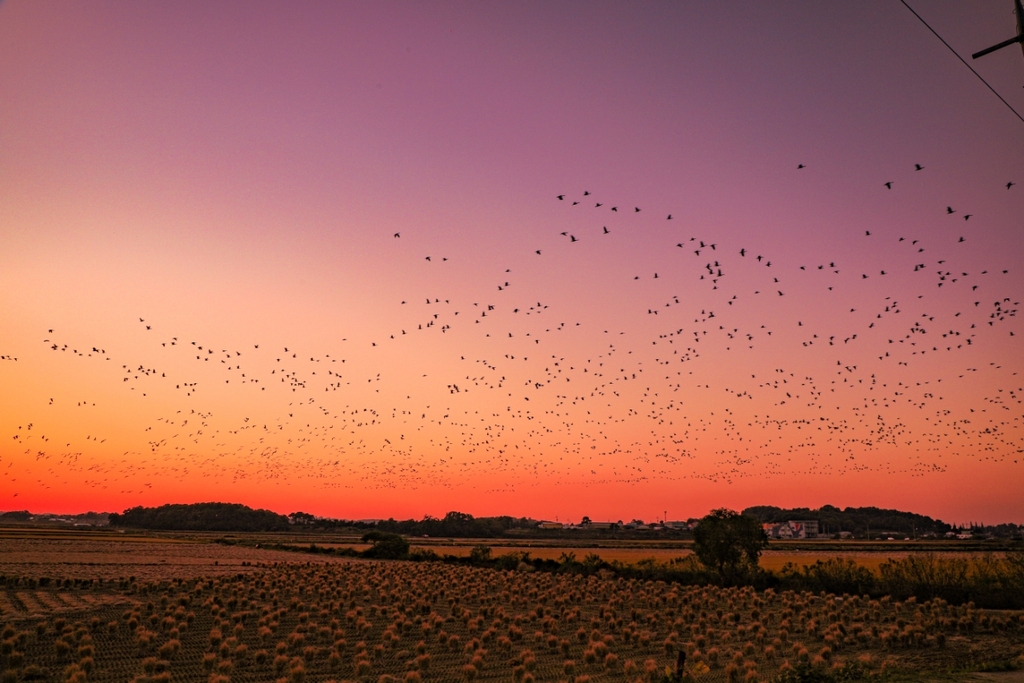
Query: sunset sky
[[312, 256]]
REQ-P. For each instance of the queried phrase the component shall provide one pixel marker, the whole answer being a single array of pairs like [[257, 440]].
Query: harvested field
[[390, 621], [37, 603], [142, 557], [65, 553]]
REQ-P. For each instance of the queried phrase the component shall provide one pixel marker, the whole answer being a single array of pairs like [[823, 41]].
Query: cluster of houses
[[792, 530], [84, 519]]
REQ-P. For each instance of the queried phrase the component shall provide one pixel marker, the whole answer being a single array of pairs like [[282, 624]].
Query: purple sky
[[234, 172]]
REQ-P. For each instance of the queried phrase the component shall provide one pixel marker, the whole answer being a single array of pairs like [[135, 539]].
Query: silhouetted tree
[[301, 518], [729, 543], [456, 525], [480, 554], [386, 546]]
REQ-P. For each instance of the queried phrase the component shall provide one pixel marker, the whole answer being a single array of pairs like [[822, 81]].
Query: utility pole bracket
[[1019, 38]]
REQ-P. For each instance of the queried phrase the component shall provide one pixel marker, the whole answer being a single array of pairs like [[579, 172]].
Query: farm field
[[414, 622], [79, 553], [770, 559], [109, 556]]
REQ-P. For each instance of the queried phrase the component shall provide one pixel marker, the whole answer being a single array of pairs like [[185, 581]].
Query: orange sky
[[203, 297]]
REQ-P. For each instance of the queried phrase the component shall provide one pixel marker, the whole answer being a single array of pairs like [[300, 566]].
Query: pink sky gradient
[[233, 174]]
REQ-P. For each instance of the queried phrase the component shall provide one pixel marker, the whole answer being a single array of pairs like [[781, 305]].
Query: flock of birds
[[737, 363]]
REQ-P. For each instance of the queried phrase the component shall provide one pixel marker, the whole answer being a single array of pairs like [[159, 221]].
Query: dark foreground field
[[185, 611]]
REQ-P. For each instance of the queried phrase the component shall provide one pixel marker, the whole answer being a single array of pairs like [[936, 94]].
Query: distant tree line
[[856, 520], [200, 517], [457, 525], [454, 525], [234, 517]]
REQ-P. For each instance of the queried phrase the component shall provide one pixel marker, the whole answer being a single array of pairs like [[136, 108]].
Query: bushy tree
[[729, 543], [480, 554], [386, 546], [511, 561], [301, 518]]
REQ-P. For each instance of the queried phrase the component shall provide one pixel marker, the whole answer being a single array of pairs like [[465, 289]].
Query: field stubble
[[222, 613], [144, 557]]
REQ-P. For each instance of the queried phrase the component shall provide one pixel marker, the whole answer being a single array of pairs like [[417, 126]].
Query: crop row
[[383, 621]]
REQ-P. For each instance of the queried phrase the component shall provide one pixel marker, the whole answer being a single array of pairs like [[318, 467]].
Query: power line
[[962, 60]]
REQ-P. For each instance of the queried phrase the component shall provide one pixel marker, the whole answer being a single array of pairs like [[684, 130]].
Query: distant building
[[602, 525], [809, 530], [778, 531], [792, 530], [684, 526], [550, 525]]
